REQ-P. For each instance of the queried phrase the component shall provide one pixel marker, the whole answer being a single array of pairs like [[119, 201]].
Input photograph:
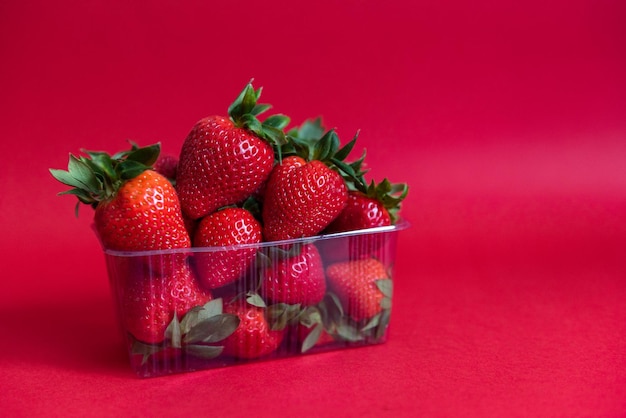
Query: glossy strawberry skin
[[144, 215], [301, 199], [220, 165], [361, 212], [354, 283], [226, 227], [149, 301], [296, 279], [253, 337]]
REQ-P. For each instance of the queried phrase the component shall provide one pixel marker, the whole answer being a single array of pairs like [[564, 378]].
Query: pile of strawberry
[[239, 180]]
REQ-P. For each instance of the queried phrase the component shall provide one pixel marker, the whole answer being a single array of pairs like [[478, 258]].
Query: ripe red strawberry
[[369, 207], [295, 278], [307, 190], [354, 283], [166, 165], [136, 208], [226, 227], [253, 337], [144, 215], [224, 160], [301, 199], [150, 301]]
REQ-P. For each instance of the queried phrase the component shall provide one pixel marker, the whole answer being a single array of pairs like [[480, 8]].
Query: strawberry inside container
[[294, 297]]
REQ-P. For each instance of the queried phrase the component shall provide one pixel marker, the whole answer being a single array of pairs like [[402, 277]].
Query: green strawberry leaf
[[274, 135], [245, 102], [282, 314], [348, 331], [260, 108], [326, 147], [310, 316], [81, 171], [349, 173], [65, 177], [343, 153], [385, 303], [373, 323], [173, 332], [385, 317], [335, 306], [312, 338], [201, 313], [277, 121], [144, 350], [310, 129], [146, 155], [78, 176], [244, 111], [212, 329], [251, 123], [213, 307], [385, 286], [190, 319], [255, 299], [82, 195], [130, 169], [204, 351]]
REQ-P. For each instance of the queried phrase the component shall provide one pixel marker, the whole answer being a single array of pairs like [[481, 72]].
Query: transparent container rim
[[400, 225]]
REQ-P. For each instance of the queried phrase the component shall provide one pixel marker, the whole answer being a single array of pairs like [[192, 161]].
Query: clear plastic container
[[201, 308]]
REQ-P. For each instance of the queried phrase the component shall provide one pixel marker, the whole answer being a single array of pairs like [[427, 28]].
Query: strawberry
[[301, 199], [226, 227], [224, 160], [136, 208], [306, 191], [144, 215], [166, 165], [253, 337], [370, 207], [359, 286], [367, 207], [296, 278], [150, 302]]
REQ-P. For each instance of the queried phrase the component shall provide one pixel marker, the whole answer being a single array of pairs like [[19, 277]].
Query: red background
[[507, 119]]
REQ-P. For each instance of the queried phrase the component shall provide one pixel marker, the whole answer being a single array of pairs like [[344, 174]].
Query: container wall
[[208, 308]]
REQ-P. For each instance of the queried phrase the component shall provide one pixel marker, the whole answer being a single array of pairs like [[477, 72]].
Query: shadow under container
[[172, 322]]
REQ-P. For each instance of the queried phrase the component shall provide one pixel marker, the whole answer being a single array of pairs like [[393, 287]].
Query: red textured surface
[[506, 119]]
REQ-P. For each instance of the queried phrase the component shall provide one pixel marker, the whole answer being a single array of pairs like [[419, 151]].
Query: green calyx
[[97, 176], [312, 142], [244, 112], [196, 334], [330, 316], [389, 194]]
